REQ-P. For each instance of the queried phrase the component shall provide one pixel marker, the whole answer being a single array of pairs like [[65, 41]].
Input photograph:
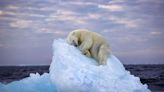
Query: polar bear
[[90, 44]]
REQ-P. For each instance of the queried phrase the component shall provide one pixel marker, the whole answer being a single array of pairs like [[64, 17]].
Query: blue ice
[[71, 71]]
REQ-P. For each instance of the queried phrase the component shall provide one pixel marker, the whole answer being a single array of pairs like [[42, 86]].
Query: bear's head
[[72, 39]]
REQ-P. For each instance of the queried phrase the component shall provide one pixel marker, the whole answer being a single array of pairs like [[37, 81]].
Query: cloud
[[125, 38], [66, 15], [142, 56], [60, 33], [67, 18], [131, 23], [155, 33], [13, 7], [151, 1], [128, 23], [79, 3], [31, 8], [49, 30], [1, 12], [94, 16], [6, 46], [133, 39], [1, 45], [116, 1], [146, 51], [111, 7], [21, 24], [66, 12], [20, 14]]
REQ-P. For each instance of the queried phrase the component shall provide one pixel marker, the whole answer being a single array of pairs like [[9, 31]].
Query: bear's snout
[[74, 43]]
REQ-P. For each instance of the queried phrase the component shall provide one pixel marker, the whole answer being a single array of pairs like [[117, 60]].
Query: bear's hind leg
[[103, 55]]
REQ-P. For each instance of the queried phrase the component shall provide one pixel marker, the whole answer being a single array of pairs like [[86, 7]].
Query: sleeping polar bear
[[90, 44]]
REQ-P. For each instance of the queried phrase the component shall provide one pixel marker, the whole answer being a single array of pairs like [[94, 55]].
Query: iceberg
[[71, 71]]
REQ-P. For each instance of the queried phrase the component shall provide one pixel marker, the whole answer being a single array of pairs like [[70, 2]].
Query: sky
[[133, 28]]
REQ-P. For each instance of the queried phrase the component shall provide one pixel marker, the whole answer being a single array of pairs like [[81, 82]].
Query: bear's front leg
[[86, 45], [87, 53]]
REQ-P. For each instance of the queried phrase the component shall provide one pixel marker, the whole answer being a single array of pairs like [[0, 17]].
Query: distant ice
[[34, 83], [70, 71]]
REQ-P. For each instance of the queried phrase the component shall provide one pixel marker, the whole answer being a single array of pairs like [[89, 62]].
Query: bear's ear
[[73, 33]]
